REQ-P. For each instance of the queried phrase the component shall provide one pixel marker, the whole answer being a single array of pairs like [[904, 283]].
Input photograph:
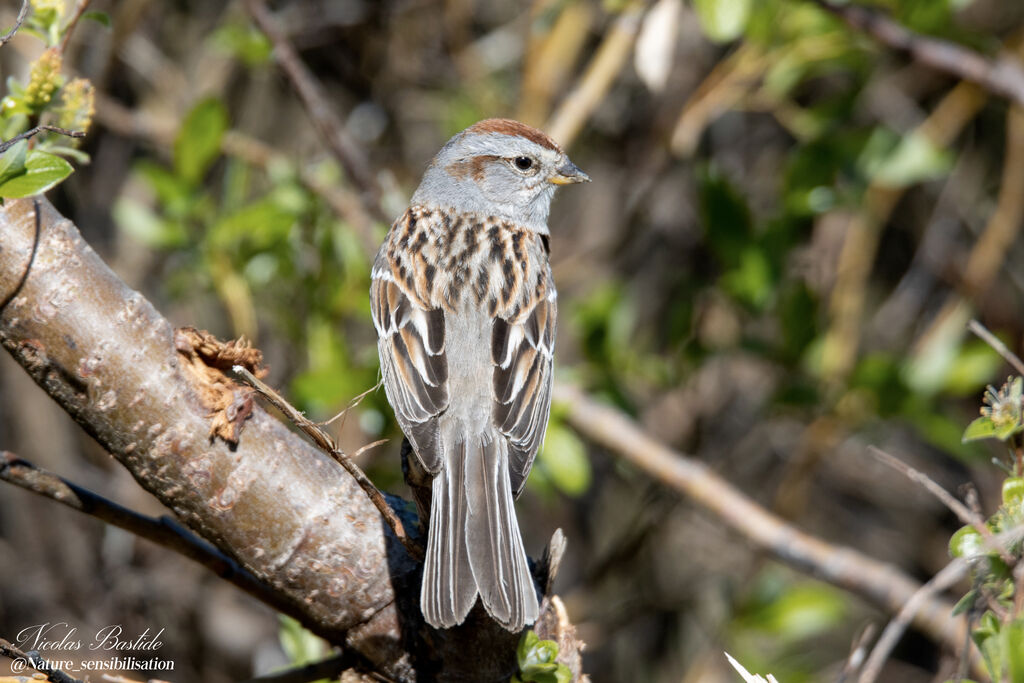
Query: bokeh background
[[788, 229]]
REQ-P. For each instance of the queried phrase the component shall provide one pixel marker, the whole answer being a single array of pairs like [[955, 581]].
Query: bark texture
[[231, 472]]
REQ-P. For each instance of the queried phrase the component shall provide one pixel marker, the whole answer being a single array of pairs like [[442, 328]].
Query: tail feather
[[474, 544], [449, 590]]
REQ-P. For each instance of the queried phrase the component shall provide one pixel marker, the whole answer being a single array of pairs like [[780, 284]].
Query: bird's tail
[[474, 546]]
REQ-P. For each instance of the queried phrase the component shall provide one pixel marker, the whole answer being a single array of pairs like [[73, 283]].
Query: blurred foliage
[[301, 646], [738, 152]]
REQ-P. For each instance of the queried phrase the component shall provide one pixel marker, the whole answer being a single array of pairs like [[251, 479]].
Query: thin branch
[[1002, 76], [858, 653], [966, 515], [959, 509], [947, 577], [8, 649], [22, 14], [7, 144], [352, 404], [999, 347], [327, 444], [879, 583], [69, 29], [327, 123], [164, 531]]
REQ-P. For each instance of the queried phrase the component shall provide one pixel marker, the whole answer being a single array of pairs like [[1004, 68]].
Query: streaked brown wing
[[522, 353], [410, 341]]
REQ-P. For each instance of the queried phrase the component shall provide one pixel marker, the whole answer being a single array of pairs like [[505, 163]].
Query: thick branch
[[237, 476], [880, 584], [163, 531], [1002, 76], [275, 504]]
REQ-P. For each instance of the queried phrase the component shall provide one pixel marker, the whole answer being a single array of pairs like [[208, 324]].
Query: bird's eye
[[523, 163]]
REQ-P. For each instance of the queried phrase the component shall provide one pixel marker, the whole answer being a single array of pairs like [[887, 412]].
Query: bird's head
[[498, 167]]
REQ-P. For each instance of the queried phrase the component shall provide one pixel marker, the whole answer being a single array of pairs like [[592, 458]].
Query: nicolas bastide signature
[[62, 636]]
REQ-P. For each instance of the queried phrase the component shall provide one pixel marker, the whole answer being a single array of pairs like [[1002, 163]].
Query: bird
[[464, 306]]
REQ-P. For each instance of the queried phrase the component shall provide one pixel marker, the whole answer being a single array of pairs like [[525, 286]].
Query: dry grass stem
[[326, 443]]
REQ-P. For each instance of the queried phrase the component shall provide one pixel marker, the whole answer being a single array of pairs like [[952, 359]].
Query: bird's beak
[[567, 174]]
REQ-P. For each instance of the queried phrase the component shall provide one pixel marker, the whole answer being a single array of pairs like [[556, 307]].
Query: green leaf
[[1012, 641], [42, 171], [175, 195], [139, 221], [98, 16], [198, 142], [801, 611], [913, 159], [538, 661], [1005, 431], [966, 542], [243, 42], [981, 428], [722, 20], [751, 282], [726, 219], [965, 603], [564, 459], [1013, 491], [12, 162], [974, 364], [259, 224], [301, 646]]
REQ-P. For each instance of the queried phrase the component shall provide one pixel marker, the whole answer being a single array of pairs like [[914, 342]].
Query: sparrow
[[464, 306]]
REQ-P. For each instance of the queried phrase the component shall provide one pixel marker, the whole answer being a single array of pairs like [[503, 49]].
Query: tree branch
[[235, 475], [327, 444], [11, 651], [1002, 76], [326, 122], [7, 144], [22, 14], [163, 531], [879, 583]]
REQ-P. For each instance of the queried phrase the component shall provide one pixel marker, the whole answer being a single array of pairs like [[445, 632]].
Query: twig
[[8, 649], [352, 404], [959, 509], [69, 29], [879, 583], [163, 531], [1002, 76], [22, 13], [950, 574], [330, 128], [7, 144], [858, 653], [847, 301], [999, 347], [326, 443]]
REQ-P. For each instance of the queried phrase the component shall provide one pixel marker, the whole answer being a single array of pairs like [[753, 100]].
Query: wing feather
[[522, 353], [414, 366]]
